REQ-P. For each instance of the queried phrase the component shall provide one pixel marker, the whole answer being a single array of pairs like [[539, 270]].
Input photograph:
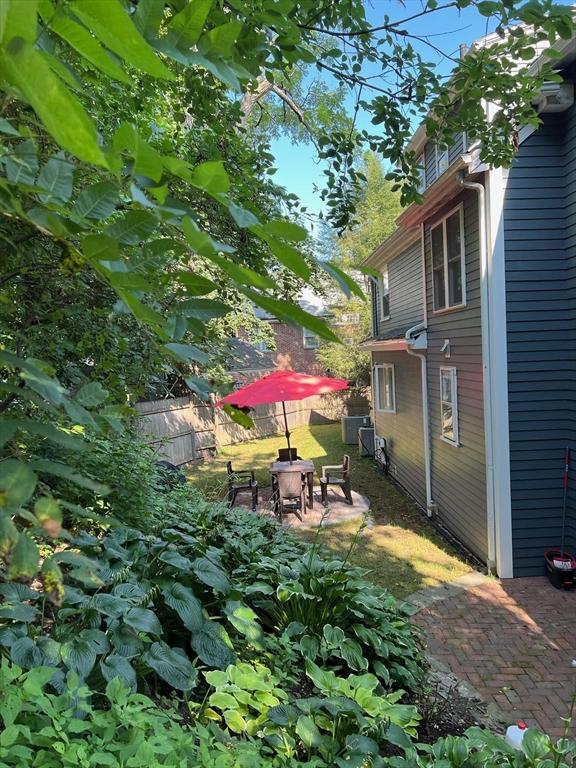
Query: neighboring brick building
[[295, 346]]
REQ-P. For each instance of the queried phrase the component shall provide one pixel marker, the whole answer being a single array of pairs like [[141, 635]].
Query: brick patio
[[337, 511], [513, 641]]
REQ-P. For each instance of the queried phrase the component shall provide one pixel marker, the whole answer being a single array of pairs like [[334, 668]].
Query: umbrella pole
[[287, 432]]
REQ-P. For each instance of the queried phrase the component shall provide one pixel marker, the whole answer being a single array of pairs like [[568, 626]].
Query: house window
[[447, 245], [448, 405], [310, 339], [385, 389], [350, 318], [384, 295], [441, 161], [421, 173]]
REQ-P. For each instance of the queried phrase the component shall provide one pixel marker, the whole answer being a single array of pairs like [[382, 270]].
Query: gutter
[[409, 336], [486, 368]]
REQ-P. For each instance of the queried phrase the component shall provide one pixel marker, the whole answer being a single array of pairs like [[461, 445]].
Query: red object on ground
[[281, 386]]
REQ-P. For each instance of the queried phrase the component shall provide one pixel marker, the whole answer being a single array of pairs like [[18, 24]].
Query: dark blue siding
[[540, 245]]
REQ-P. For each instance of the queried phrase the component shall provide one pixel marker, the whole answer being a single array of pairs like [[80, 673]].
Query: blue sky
[[298, 169]]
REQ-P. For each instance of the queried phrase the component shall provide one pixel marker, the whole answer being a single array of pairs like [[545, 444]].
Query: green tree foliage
[[133, 214], [348, 360], [377, 209]]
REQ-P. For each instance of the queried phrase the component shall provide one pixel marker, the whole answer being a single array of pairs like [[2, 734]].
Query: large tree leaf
[[147, 162], [97, 201], [186, 26], [292, 314], [48, 431], [49, 515], [133, 227], [114, 27], [346, 283], [19, 20], [287, 255], [182, 600], [187, 352], [24, 558], [242, 216], [8, 533], [211, 177], [172, 665], [203, 309], [87, 46], [91, 394], [286, 229], [56, 178], [21, 163], [17, 484], [61, 113], [196, 285], [241, 274], [148, 17], [56, 468]]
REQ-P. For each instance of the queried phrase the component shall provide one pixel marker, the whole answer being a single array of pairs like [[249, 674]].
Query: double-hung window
[[441, 161], [448, 277], [310, 340], [384, 388], [421, 162], [448, 405]]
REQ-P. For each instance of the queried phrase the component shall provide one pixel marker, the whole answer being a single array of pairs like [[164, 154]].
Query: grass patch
[[401, 548]]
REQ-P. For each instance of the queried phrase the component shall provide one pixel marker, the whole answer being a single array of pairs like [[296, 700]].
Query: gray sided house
[[474, 339]]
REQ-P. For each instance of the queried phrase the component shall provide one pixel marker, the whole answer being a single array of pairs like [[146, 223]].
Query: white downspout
[[486, 367], [430, 505]]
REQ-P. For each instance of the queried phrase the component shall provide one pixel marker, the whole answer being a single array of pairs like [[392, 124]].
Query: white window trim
[[385, 292], [389, 366], [442, 223], [455, 441], [310, 346]]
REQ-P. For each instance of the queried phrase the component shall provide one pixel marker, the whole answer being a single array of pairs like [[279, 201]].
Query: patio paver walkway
[[337, 511], [514, 642]]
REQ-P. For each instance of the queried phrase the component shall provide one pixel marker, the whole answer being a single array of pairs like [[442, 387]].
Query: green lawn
[[400, 547]]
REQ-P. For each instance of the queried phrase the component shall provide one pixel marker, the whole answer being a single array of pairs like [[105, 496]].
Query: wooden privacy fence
[[185, 429]]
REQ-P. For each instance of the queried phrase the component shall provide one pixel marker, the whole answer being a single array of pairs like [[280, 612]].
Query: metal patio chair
[[289, 493], [336, 474], [288, 454], [242, 480]]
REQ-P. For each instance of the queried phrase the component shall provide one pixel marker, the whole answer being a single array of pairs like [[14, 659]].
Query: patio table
[[304, 467]]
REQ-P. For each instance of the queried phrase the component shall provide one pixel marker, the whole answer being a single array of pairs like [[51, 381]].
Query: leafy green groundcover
[[215, 639]]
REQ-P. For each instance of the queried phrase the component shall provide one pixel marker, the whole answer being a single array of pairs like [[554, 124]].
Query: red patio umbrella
[[282, 386]]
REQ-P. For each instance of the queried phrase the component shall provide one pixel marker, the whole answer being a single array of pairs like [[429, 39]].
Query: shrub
[[479, 748], [54, 730]]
